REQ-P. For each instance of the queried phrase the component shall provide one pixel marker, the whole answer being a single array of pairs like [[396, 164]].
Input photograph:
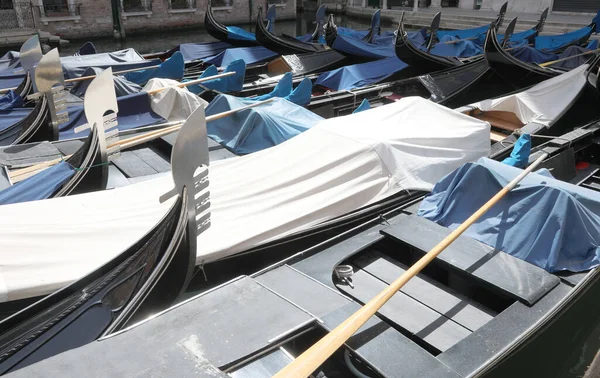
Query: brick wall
[[95, 18]]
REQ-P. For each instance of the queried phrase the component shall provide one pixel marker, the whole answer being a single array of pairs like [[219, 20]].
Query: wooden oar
[[82, 78], [569, 57], [313, 357], [192, 82], [23, 173], [147, 137], [460, 40]]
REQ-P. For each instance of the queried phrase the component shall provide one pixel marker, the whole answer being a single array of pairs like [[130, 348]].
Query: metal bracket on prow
[[30, 55], [189, 167], [100, 98], [50, 82]]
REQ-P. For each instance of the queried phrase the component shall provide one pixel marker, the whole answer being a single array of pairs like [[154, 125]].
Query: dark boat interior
[[461, 316]]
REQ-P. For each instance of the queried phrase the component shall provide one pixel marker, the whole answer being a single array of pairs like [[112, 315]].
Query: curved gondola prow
[[32, 128], [510, 29], [319, 23], [283, 45], [542, 22], [501, 14], [375, 28], [417, 58], [270, 17], [49, 79], [220, 32], [510, 68], [30, 55], [433, 28], [331, 30]]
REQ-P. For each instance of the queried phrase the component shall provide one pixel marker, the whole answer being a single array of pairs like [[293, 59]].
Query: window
[[59, 8], [221, 3], [182, 4], [133, 6]]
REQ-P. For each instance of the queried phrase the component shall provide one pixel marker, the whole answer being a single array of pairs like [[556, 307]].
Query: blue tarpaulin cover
[[554, 42], [87, 48], [302, 93], [10, 101], [12, 116], [235, 32], [547, 222], [464, 34], [576, 60], [233, 83], [250, 55], [11, 77], [123, 87], [257, 128], [359, 75], [284, 89], [364, 105], [462, 49], [39, 186], [171, 68], [357, 47], [593, 45], [531, 55], [519, 157], [596, 20], [201, 51], [134, 111], [74, 66]]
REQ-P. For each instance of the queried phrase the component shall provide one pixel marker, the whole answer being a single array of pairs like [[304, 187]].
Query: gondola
[[475, 308], [509, 67], [236, 37], [558, 43], [283, 44], [132, 285], [474, 33]]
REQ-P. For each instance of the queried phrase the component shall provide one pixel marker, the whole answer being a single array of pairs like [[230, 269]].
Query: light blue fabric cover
[[171, 68], [200, 51], [519, 157], [12, 116], [257, 128], [554, 42], [232, 83], [364, 105], [547, 222], [462, 49], [39, 186], [250, 55]]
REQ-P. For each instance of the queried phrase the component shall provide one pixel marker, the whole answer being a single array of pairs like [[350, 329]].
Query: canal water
[[582, 343], [156, 42]]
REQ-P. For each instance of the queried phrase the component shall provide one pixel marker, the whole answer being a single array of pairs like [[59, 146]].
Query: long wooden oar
[[147, 137], [569, 57], [192, 82], [460, 40], [313, 357]]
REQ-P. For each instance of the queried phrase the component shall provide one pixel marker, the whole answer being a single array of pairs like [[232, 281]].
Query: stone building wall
[[95, 16]]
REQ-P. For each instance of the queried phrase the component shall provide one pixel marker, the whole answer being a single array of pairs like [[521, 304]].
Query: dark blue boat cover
[[12, 116], [461, 49], [123, 87], [547, 222], [39, 186], [250, 55], [360, 75], [593, 45], [12, 59], [257, 128], [283, 88], [200, 51], [349, 32], [596, 21], [364, 105], [529, 54], [233, 83], [134, 111], [240, 34], [577, 60], [87, 48], [11, 77], [473, 33], [74, 66], [10, 101], [356, 47], [171, 68], [554, 42]]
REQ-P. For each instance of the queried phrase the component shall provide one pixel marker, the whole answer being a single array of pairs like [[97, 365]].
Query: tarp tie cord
[[383, 219], [91, 166], [200, 268]]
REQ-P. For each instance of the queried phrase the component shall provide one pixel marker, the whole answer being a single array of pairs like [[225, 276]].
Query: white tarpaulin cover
[[543, 103], [173, 103], [339, 165]]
